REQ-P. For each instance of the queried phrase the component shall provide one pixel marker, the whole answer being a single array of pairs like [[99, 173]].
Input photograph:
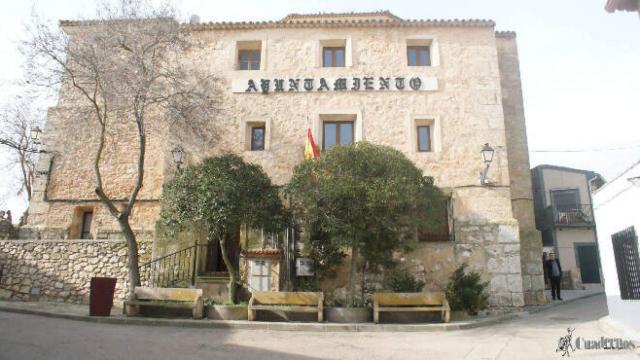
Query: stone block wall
[[61, 270], [520, 175], [492, 249]]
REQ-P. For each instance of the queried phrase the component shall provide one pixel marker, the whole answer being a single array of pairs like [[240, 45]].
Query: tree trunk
[[233, 277], [352, 276], [132, 247], [363, 280]]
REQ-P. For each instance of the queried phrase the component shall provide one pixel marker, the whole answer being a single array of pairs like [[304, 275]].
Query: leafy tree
[[367, 198], [223, 193]]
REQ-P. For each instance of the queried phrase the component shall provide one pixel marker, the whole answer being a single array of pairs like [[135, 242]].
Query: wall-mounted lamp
[[178, 156], [35, 135], [487, 156]]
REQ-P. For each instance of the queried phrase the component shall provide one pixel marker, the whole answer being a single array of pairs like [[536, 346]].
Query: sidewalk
[[81, 312]]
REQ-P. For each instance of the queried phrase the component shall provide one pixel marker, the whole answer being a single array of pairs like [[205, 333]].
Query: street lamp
[[487, 156], [178, 156], [35, 134]]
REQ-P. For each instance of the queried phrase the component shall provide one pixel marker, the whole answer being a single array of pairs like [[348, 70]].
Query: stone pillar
[[519, 172]]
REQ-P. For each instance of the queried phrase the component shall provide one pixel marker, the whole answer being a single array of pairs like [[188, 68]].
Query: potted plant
[[224, 310], [369, 200], [466, 293]]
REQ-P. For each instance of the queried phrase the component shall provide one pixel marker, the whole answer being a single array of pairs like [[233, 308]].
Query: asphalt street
[[530, 337]]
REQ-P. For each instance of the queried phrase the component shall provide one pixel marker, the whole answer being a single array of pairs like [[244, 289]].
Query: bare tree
[[17, 120], [128, 67]]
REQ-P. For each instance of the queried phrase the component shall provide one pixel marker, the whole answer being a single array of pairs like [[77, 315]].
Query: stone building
[[437, 90]]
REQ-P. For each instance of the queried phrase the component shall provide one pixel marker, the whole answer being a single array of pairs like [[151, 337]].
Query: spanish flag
[[310, 149]]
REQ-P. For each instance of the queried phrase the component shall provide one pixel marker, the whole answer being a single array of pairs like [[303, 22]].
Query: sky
[[580, 66]]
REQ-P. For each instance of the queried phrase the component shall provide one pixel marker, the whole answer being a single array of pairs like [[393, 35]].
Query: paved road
[[532, 337]]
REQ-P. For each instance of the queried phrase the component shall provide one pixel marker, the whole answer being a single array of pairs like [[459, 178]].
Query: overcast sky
[[580, 65]]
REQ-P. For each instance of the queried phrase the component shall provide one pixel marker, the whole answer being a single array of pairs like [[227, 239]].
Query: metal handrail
[[177, 269]]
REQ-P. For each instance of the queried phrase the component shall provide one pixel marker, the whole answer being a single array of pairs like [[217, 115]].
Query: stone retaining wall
[[60, 270]]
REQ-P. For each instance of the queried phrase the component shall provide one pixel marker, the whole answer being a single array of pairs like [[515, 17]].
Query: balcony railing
[[573, 215]]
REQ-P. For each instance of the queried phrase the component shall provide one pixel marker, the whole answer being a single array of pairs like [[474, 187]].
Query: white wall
[[616, 207]]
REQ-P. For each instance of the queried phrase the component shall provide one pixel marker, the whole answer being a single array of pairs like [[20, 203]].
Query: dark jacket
[[547, 267]]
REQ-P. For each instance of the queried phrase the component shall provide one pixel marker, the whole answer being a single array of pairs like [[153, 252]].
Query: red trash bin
[[101, 296]]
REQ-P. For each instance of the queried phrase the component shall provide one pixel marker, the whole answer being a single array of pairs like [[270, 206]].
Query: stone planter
[[348, 315], [460, 315], [227, 312]]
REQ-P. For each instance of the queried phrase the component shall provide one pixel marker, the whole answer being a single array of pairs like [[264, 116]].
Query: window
[[260, 279], [565, 200], [257, 138], [249, 59], [87, 217], [337, 133], [333, 56], [424, 138], [255, 135], [418, 56], [625, 250], [249, 55]]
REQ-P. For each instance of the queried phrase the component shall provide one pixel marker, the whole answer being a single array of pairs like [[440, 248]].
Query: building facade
[[564, 216], [437, 90], [618, 220]]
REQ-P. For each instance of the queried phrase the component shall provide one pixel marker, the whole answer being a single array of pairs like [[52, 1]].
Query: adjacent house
[[564, 216], [618, 219]]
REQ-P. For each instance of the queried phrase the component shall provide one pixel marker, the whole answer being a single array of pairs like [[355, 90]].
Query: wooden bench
[[176, 298], [286, 301], [398, 302]]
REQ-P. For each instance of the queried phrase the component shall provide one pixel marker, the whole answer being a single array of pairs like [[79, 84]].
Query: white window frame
[[259, 275]]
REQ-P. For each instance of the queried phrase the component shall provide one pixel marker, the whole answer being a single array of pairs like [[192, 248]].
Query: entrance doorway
[[214, 264], [588, 261]]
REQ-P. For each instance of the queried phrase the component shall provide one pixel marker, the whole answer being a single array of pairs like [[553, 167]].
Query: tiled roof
[[383, 13], [262, 252], [506, 34], [328, 20]]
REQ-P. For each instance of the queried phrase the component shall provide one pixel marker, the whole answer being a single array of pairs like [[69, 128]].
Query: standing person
[[554, 272]]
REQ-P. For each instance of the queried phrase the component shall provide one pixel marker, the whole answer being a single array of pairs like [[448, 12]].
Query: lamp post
[[487, 156], [178, 156]]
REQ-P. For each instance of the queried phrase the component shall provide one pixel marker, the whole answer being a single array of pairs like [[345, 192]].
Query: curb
[[292, 326]]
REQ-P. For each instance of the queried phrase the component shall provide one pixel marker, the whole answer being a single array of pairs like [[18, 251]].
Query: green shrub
[[466, 291], [402, 281]]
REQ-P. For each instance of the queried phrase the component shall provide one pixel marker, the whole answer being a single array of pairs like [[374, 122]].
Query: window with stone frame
[[249, 55], [87, 219]]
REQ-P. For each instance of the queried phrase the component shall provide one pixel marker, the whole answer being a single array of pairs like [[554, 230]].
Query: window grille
[[625, 249]]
